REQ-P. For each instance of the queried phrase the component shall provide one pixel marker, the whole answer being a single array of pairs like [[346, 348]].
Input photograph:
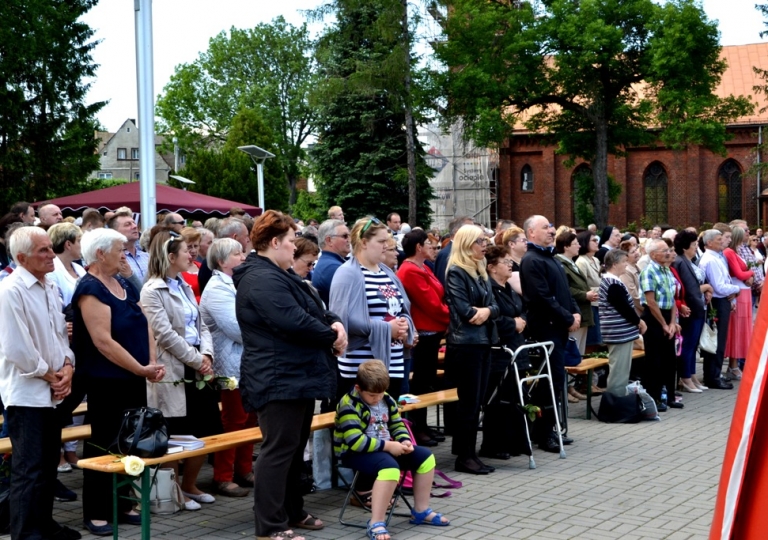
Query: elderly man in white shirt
[[716, 269], [36, 366]]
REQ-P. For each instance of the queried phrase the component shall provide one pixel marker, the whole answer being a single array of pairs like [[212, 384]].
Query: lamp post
[[181, 179], [259, 156]]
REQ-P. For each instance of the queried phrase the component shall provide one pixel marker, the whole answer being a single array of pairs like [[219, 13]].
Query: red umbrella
[[168, 199]]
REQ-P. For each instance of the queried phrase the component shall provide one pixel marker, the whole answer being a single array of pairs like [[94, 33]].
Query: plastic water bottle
[[664, 395]]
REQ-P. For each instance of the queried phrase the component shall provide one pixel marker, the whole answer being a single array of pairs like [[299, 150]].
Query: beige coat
[[165, 313]]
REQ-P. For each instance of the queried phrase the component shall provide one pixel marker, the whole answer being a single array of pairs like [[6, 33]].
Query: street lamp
[[181, 179], [259, 156]]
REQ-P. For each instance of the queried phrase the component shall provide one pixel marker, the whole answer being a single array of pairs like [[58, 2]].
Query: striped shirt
[[353, 418], [385, 302], [614, 326]]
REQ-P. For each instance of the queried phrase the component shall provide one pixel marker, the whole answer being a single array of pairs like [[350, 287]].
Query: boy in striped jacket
[[370, 437]]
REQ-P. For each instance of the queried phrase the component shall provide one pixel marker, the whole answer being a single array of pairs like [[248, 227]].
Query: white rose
[[229, 383], [133, 465]]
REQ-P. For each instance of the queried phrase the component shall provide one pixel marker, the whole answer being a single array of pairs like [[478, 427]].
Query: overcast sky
[[182, 29]]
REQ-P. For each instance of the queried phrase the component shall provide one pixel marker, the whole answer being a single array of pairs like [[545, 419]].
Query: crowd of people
[[351, 315]]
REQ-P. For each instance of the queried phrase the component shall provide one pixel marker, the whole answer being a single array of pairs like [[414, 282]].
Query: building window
[[127, 130], [526, 178], [729, 191], [655, 191], [105, 176], [136, 176], [134, 153], [122, 153]]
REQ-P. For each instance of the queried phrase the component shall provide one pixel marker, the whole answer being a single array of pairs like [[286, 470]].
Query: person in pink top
[[740, 328]]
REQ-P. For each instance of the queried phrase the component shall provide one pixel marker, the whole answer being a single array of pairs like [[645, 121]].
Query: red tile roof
[[739, 78]]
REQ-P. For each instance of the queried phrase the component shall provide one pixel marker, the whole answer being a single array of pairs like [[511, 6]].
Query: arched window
[[655, 191], [526, 178], [729, 191]]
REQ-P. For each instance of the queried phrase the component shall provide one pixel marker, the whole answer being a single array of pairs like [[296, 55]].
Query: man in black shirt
[[552, 313]]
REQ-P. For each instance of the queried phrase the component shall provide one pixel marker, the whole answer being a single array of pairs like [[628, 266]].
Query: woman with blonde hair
[[372, 304], [185, 348], [471, 332]]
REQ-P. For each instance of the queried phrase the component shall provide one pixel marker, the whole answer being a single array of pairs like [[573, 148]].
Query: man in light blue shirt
[[716, 269], [137, 259]]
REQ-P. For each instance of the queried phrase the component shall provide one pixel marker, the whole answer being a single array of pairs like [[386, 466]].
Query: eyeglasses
[[508, 262], [310, 264], [481, 242], [367, 226], [345, 236], [182, 222]]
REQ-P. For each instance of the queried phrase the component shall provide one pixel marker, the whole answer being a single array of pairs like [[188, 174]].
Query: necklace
[[421, 266]]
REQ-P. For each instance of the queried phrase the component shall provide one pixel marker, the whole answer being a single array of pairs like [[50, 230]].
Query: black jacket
[[510, 307], [287, 336], [441, 262], [693, 297], [546, 293], [463, 294]]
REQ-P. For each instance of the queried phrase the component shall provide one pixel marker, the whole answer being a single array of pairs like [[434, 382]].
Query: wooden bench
[[587, 367], [79, 411], [215, 443]]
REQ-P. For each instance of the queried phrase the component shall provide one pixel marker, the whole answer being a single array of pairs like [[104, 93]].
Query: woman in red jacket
[[430, 316]]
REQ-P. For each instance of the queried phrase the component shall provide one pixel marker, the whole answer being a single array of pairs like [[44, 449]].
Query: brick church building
[[679, 188]]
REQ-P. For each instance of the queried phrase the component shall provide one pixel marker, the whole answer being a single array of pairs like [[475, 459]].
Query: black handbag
[[143, 433], [615, 409]]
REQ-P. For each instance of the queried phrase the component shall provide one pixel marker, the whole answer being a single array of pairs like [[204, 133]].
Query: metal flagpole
[[146, 99]]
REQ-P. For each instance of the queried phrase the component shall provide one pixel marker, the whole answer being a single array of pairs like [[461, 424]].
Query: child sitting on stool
[[370, 437]]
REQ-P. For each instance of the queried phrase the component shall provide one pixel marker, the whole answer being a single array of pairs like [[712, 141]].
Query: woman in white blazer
[[185, 348]]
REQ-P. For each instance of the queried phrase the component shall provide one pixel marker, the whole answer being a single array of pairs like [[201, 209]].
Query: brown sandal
[[310, 522]]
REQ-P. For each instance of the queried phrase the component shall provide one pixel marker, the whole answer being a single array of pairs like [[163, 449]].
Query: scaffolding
[[465, 177]]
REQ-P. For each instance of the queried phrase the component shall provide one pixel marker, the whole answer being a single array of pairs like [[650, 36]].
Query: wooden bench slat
[[215, 443]]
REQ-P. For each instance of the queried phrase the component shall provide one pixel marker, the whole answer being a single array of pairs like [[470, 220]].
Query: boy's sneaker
[[63, 493]]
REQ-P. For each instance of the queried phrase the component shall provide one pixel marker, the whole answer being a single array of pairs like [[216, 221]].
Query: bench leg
[[145, 486], [589, 394], [114, 506]]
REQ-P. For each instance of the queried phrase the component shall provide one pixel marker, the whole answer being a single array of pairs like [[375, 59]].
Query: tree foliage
[[229, 173], [593, 75], [47, 143], [361, 157], [268, 68], [584, 194]]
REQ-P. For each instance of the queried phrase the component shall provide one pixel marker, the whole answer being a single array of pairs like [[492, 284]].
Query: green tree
[[268, 68], [594, 75], [362, 155], [47, 147], [229, 173], [309, 206]]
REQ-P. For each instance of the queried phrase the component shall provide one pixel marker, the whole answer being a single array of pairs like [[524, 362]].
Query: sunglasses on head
[[367, 226]]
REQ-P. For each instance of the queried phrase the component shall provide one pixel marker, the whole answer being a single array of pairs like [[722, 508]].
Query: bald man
[[49, 215]]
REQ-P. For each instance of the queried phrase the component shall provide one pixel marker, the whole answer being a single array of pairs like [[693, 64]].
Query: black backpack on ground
[[621, 409]]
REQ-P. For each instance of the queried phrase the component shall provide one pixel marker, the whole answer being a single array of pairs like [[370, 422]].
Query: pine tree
[[47, 143]]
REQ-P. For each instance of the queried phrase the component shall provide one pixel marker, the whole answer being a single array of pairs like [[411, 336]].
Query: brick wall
[[692, 181]]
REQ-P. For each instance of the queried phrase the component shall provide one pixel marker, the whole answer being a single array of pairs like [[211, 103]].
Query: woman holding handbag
[[697, 294], [113, 343]]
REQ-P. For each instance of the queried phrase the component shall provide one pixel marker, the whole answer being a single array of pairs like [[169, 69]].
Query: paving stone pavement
[[654, 480]]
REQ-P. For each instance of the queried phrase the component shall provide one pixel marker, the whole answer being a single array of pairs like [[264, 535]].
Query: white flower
[[228, 383], [133, 465]]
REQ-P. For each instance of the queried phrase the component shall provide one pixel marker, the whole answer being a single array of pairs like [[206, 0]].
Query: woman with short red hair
[[289, 343]]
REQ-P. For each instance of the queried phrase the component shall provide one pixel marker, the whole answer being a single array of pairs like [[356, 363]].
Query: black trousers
[[36, 437], [713, 363], [660, 362], [467, 367], [543, 427], [107, 401], [277, 491], [424, 374]]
